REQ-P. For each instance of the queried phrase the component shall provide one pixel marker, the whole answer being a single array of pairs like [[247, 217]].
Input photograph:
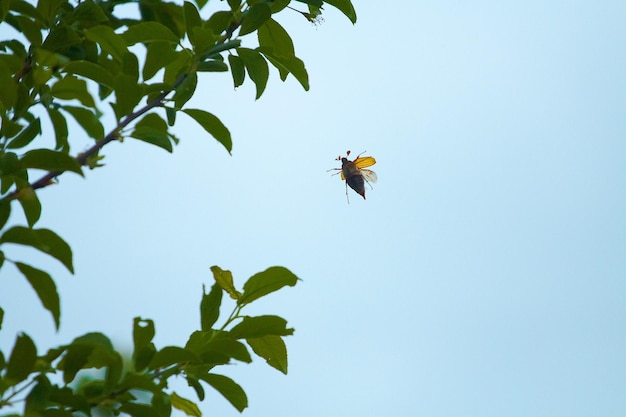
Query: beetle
[[355, 174]]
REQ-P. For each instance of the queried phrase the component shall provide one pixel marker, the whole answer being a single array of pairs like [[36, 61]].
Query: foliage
[[73, 58]]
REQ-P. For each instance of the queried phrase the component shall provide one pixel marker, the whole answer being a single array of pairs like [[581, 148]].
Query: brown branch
[[83, 157]]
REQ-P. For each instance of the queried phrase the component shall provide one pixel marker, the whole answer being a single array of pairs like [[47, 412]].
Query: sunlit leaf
[[271, 348], [266, 282], [225, 280], [259, 326], [45, 288], [209, 306], [186, 406], [229, 389]]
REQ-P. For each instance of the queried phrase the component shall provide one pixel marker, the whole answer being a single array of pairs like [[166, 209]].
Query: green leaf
[[215, 347], [138, 410], [196, 385], [1, 316], [186, 406], [212, 66], [345, 7], [144, 350], [8, 88], [291, 64], [87, 120], [91, 71], [60, 129], [22, 360], [44, 240], [70, 87], [109, 41], [259, 326], [158, 55], [128, 93], [45, 288], [271, 348], [170, 355], [266, 282], [272, 36], [228, 388], [30, 204], [237, 69], [209, 306], [192, 20], [153, 129], [149, 32], [212, 125], [5, 212], [26, 135], [50, 160], [92, 350], [254, 18], [185, 90], [161, 403], [224, 278], [257, 68]]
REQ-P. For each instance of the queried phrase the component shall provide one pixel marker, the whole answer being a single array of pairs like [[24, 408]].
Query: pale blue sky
[[485, 274]]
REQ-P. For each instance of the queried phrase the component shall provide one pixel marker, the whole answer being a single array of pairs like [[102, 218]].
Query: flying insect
[[355, 174]]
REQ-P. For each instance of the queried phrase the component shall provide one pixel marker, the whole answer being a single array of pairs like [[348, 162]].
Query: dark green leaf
[[255, 17], [22, 360], [266, 282], [225, 280], [149, 32], [237, 69], [212, 66], [161, 403], [196, 385], [70, 87], [251, 327], [41, 239], [50, 160], [91, 71], [158, 55], [143, 332], [1, 314], [152, 129], [272, 349], [186, 406], [27, 135], [229, 389], [87, 120], [60, 129], [210, 306], [92, 350], [257, 68], [109, 41], [170, 355], [215, 347], [185, 90], [138, 410], [219, 21], [291, 64], [30, 204], [212, 125], [274, 37], [8, 88], [47, 9], [45, 288], [5, 212], [192, 20], [128, 93], [345, 6]]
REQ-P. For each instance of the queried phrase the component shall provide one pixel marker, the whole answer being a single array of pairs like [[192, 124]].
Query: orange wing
[[364, 161]]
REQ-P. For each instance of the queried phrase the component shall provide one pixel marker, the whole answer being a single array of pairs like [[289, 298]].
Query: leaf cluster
[[50, 383]]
